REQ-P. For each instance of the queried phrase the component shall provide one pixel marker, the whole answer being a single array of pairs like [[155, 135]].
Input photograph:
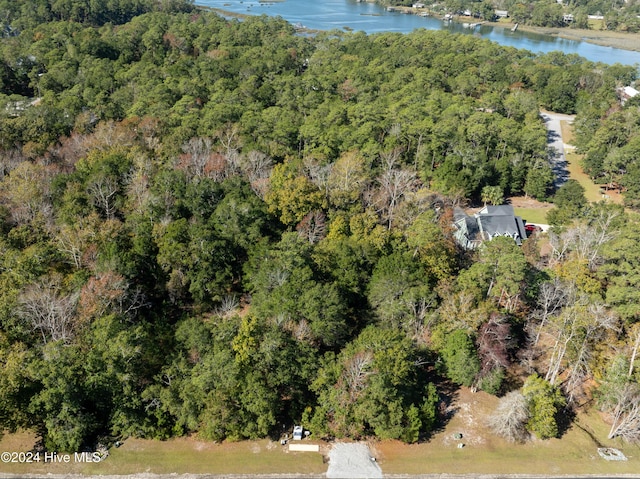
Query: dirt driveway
[[352, 460]]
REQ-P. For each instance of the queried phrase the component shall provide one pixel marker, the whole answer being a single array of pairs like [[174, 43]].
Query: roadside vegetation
[[595, 189], [483, 453], [221, 228], [573, 454], [184, 455]]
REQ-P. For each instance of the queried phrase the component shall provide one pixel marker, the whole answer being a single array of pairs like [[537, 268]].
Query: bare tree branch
[[626, 414], [49, 310], [510, 417], [357, 371]]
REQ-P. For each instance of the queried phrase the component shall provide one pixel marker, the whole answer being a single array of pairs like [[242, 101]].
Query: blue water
[[372, 18]]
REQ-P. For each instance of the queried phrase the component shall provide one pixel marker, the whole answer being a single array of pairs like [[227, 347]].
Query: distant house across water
[[627, 93]]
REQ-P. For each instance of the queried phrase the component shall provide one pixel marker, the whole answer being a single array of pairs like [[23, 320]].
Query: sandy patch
[[469, 426], [352, 460], [528, 202]]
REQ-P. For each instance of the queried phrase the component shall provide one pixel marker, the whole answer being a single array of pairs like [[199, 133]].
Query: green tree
[[631, 181], [103, 174], [569, 202], [460, 358], [240, 217], [291, 196], [236, 389], [492, 194], [285, 286], [66, 423], [499, 273], [428, 239], [539, 181], [373, 387], [16, 385], [544, 403], [621, 272], [399, 291], [547, 14], [195, 259]]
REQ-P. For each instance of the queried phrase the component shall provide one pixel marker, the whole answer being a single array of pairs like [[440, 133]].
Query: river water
[[372, 18]]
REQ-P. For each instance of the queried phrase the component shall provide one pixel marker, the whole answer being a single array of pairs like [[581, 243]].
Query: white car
[[297, 432]]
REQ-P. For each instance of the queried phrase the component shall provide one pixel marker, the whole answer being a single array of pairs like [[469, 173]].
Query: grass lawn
[[566, 129], [533, 215], [530, 210], [592, 191], [184, 455], [483, 453], [595, 24]]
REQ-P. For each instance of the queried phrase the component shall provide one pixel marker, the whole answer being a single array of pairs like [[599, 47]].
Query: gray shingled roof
[[488, 223]]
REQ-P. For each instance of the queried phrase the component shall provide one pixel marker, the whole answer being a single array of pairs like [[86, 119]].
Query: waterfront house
[[627, 93]]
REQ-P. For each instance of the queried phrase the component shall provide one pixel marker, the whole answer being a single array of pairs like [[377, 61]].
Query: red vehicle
[[530, 229]]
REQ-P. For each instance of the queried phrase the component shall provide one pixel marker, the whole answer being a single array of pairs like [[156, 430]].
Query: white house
[[626, 93]]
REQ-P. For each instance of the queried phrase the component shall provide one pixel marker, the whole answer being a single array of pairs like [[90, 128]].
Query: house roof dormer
[[487, 224]]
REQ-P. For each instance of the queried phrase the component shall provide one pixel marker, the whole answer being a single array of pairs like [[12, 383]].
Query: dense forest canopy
[[223, 227]]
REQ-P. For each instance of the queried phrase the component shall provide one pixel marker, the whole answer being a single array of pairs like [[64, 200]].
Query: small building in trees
[[488, 223], [627, 93]]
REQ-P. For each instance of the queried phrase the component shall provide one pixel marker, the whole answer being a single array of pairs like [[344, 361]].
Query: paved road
[[554, 142]]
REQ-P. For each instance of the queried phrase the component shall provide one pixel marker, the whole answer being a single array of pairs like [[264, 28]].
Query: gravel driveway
[[554, 140], [352, 460]]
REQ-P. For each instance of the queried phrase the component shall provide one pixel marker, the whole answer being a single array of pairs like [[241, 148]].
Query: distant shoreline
[[605, 38]]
